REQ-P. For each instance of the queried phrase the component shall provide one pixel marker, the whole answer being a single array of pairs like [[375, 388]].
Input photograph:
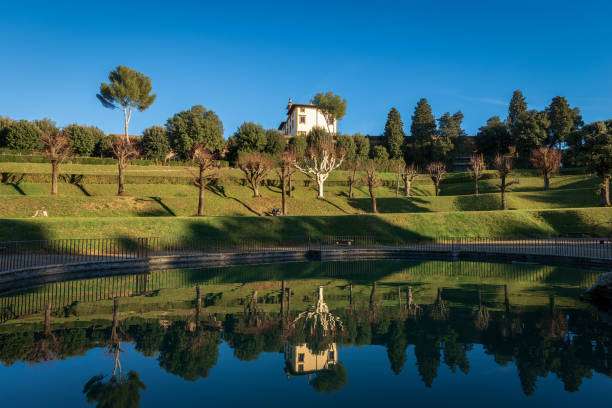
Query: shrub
[[23, 136], [83, 138]]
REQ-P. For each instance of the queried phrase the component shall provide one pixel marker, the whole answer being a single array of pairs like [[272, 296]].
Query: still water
[[329, 334]]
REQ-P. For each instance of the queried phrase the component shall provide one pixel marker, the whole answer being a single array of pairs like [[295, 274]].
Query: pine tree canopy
[[127, 89], [423, 125]]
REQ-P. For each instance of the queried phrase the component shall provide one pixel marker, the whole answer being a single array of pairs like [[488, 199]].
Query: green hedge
[[37, 158]]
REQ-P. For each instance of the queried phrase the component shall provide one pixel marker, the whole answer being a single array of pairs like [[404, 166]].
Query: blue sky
[[245, 59]]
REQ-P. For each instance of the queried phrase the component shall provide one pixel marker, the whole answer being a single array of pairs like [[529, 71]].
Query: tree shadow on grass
[[391, 204], [483, 202], [159, 201], [77, 180], [13, 180]]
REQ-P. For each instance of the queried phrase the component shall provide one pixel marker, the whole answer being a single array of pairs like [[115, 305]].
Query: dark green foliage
[[196, 125], [148, 337], [331, 105], [563, 120], [396, 347], [116, 392], [362, 146], [380, 155], [46, 125], [297, 145], [23, 136], [529, 132], [346, 144], [84, 138], [318, 138], [423, 129], [494, 138], [597, 145], [103, 147], [190, 355], [4, 124], [330, 380], [517, 107], [249, 138], [449, 126], [275, 143], [127, 89], [394, 134], [155, 143]]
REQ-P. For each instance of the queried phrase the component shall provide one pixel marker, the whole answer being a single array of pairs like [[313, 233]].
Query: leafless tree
[[547, 161], [255, 167], [57, 148], [505, 168], [352, 166], [319, 161], [124, 151], [207, 171], [411, 172], [372, 180], [436, 171], [477, 167], [399, 166], [285, 170]]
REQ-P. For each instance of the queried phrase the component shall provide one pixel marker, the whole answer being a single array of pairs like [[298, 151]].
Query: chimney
[[311, 101], [289, 104]]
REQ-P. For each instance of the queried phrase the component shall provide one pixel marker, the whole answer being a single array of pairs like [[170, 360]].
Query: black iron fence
[[17, 255]]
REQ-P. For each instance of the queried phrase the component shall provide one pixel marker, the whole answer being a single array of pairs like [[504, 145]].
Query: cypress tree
[[423, 127], [394, 134]]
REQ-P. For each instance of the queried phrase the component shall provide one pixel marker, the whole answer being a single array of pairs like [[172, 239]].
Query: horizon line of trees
[[540, 139]]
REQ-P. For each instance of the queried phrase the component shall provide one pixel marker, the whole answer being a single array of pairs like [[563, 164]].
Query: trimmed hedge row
[[37, 158]]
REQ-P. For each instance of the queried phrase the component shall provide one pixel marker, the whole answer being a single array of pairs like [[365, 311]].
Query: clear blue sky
[[245, 59]]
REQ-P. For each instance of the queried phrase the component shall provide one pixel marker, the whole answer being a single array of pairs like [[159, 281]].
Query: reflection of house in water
[[300, 360]]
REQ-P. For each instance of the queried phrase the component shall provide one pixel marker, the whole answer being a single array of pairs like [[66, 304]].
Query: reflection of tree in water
[[396, 346], [317, 325], [119, 390], [122, 392], [188, 350], [330, 380], [481, 316], [47, 346], [439, 310]]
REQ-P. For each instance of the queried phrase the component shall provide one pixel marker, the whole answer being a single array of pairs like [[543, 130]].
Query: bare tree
[[255, 167], [207, 171], [410, 174], [399, 166], [505, 169], [372, 180], [547, 161], [284, 171], [436, 171], [477, 167], [124, 151], [57, 148], [352, 166], [320, 160]]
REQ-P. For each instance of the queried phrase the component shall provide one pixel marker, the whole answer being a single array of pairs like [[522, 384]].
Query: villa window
[[303, 119], [331, 355], [330, 121], [301, 368], [301, 357], [302, 110]]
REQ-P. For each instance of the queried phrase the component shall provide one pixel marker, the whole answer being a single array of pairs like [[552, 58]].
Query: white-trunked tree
[[321, 157]]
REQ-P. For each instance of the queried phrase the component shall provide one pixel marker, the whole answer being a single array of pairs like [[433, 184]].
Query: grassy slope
[[520, 223]]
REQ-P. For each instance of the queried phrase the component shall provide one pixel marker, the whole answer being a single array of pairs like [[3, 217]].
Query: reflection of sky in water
[[262, 381]]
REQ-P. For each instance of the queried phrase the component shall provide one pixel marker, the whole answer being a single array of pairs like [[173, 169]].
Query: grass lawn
[[518, 223]]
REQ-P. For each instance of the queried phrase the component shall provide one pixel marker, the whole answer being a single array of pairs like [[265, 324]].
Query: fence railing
[[17, 255]]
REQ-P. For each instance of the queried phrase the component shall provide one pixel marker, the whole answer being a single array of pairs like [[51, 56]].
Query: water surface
[[382, 332]]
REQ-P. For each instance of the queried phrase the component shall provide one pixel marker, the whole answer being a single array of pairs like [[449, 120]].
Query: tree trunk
[[126, 118], [290, 186], [255, 187], [397, 183], [283, 196], [437, 187], [48, 320], [372, 294], [320, 186], [282, 305], [476, 185], [54, 174], [546, 182], [373, 196], [350, 181], [407, 186], [198, 306], [201, 196], [121, 177], [605, 191]]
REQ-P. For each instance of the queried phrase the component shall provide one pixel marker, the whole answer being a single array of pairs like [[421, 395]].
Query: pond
[[426, 333]]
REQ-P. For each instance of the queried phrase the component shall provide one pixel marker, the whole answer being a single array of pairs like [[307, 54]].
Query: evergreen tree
[[394, 134], [423, 129], [249, 138], [195, 126], [155, 143], [518, 107], [449, 129], [563, 119], [83, 138], [23, 136], [275, 143], [494, 138]]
